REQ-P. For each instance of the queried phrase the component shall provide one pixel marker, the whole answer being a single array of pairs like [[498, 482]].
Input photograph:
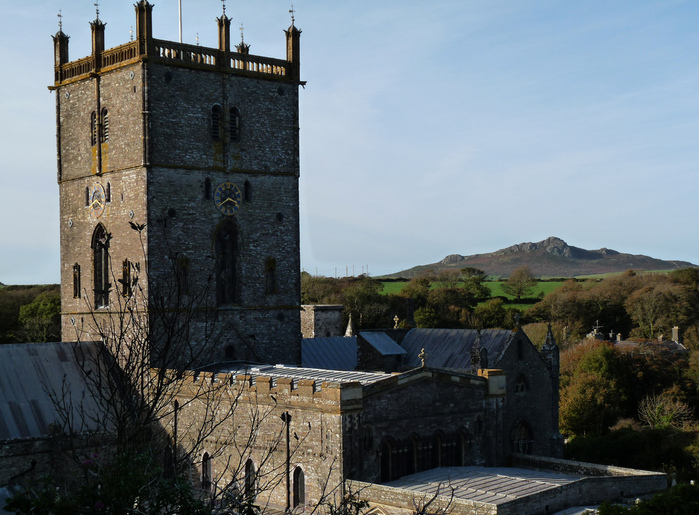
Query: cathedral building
[[178, 173]]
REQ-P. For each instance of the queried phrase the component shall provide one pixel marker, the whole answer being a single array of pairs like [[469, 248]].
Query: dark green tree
[[41, 318]]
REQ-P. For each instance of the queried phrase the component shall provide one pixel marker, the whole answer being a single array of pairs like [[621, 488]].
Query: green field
[[615, 274], [495, 288]]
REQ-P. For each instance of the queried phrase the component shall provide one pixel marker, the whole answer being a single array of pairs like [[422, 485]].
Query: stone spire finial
[[242, 47], [550, 341], [350, 327], [423, 357]]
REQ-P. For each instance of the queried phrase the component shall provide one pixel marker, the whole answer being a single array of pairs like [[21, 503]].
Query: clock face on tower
[[227, 198], [97, 200]]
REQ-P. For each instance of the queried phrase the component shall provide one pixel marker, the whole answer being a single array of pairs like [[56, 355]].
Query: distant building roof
[[384, 344], [335, 353], [451, 348], [654, 345], [29, 374]]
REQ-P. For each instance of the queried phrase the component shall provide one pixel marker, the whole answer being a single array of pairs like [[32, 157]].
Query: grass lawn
[[494, 286]]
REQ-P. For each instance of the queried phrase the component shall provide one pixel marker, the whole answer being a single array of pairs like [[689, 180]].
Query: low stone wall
[[600, 483], [408, 500], [579, 467]]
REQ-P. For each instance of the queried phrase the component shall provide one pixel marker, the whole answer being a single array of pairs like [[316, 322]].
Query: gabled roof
[[334, 353], [29, 374], [384, 344], [451, 348]]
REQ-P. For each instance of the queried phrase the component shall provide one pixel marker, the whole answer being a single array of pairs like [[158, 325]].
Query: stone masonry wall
[[426, 404], [157, 163], [254, 430], [321, 321], [261, 326], [121, 174], [533, 405]]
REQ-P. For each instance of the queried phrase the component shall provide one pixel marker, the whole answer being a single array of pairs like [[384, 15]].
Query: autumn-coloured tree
[[520, 283]]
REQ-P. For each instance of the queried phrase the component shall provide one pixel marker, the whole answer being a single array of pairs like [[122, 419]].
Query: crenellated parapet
[[148, 49], [287, 392]]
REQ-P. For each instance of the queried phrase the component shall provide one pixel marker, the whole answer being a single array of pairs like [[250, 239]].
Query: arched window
[[437, 449], [93, 128], [250, 480], [235, 124], [168, 462], [521, 385], [230, 352], [226, 249], [299, 487], [100, 250], [368, 439], [412, 461], [105, 126], [126, 278], [108, 192], [386, 451], [247, 192], [206, 472], [271, 275], [87, 196], [207, 188], [76, 281], [522, 438], [216, 115]]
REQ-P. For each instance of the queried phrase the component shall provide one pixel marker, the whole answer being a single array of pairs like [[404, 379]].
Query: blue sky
[[427, 129]]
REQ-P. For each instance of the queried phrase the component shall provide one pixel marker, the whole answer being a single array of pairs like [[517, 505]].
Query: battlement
[[148, 49], [278, 390]]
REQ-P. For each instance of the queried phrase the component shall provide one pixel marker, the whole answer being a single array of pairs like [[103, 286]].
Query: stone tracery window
[[299, 487], [522, 438], [226, 248]]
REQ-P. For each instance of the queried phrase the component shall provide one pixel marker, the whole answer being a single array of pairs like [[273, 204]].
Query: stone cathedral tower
[[179, 165]]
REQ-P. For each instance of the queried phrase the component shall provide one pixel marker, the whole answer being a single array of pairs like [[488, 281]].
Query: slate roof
[[493, 485], [315, 374], [28, 373], [336, 353], [451, 348], [384, 344]]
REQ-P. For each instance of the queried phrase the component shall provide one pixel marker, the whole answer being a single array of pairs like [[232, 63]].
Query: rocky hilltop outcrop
[[551, 257]]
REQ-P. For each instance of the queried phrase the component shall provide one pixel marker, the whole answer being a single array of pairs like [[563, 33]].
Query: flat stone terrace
[[493, 485]]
